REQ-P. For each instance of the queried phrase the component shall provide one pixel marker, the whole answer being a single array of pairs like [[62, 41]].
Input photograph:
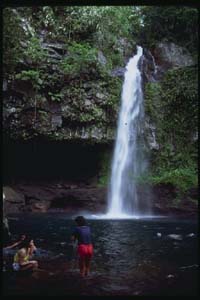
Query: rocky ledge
[[53, 197], [78, 197]]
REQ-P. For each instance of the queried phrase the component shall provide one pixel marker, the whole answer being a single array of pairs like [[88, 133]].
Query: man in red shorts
[[82, 233]]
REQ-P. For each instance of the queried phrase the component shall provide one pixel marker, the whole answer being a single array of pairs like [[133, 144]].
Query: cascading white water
[[128, 162]]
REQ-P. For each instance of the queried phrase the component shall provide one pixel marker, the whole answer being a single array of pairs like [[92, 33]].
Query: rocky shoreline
[[77, 197]]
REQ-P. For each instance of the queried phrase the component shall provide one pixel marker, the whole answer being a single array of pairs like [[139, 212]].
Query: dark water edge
[[144, 257]]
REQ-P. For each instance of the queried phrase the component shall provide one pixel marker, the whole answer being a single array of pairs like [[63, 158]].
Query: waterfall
[[128, 159]]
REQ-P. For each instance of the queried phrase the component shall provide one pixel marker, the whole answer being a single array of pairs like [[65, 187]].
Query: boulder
[[171, 55], [118, 72], [14, 201], [151, 135], [101, 58], [39, 207]]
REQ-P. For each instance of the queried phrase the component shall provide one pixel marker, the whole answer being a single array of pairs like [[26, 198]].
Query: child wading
[[82, 233]]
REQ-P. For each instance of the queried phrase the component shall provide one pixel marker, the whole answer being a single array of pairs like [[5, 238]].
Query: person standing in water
[[82, 234]]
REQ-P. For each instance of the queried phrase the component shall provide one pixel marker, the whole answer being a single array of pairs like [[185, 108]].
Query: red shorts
[[85, 250]]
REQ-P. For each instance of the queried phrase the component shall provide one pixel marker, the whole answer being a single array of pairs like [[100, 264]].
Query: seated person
[[22, 257], [10, 250]]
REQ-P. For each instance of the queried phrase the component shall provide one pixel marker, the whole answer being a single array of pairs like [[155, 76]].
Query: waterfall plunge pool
[[122, 216], [156, 256]]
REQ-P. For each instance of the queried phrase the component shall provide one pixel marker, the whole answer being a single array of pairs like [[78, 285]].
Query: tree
[[178, 24]]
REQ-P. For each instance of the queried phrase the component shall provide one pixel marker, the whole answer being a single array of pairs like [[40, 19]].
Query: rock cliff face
[[171, 55], [88, 106], [156, 62], [59, 124], [63, 196], [164, 56], [80, 108], [54, 197], [6, 230]]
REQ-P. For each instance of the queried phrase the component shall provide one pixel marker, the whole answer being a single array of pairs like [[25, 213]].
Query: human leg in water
[[82, 266], [87, 264]]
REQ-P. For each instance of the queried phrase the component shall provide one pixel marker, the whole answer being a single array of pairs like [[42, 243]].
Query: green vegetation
[[81, 58], [12, 49], [182, 178], [152, 100], [105, 169], [32, 76], [172, 106], [35, 52], [178, 24], [55, 97], [78, 26]]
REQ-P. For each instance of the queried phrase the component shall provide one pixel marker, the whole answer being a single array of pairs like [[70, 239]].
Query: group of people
[[82, 234]]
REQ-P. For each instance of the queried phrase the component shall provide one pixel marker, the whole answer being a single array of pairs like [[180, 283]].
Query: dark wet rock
[[126, 47], [39, 206], [172, 55], [5, 85], [72, 198], [118, 72], [6, 229], [162, 57], [57, 197], [148, 67], [59, 48], [14, 201], [83, 115], [56, 121], [164, 202], [24, 87], [101, 58], [151, 133]]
